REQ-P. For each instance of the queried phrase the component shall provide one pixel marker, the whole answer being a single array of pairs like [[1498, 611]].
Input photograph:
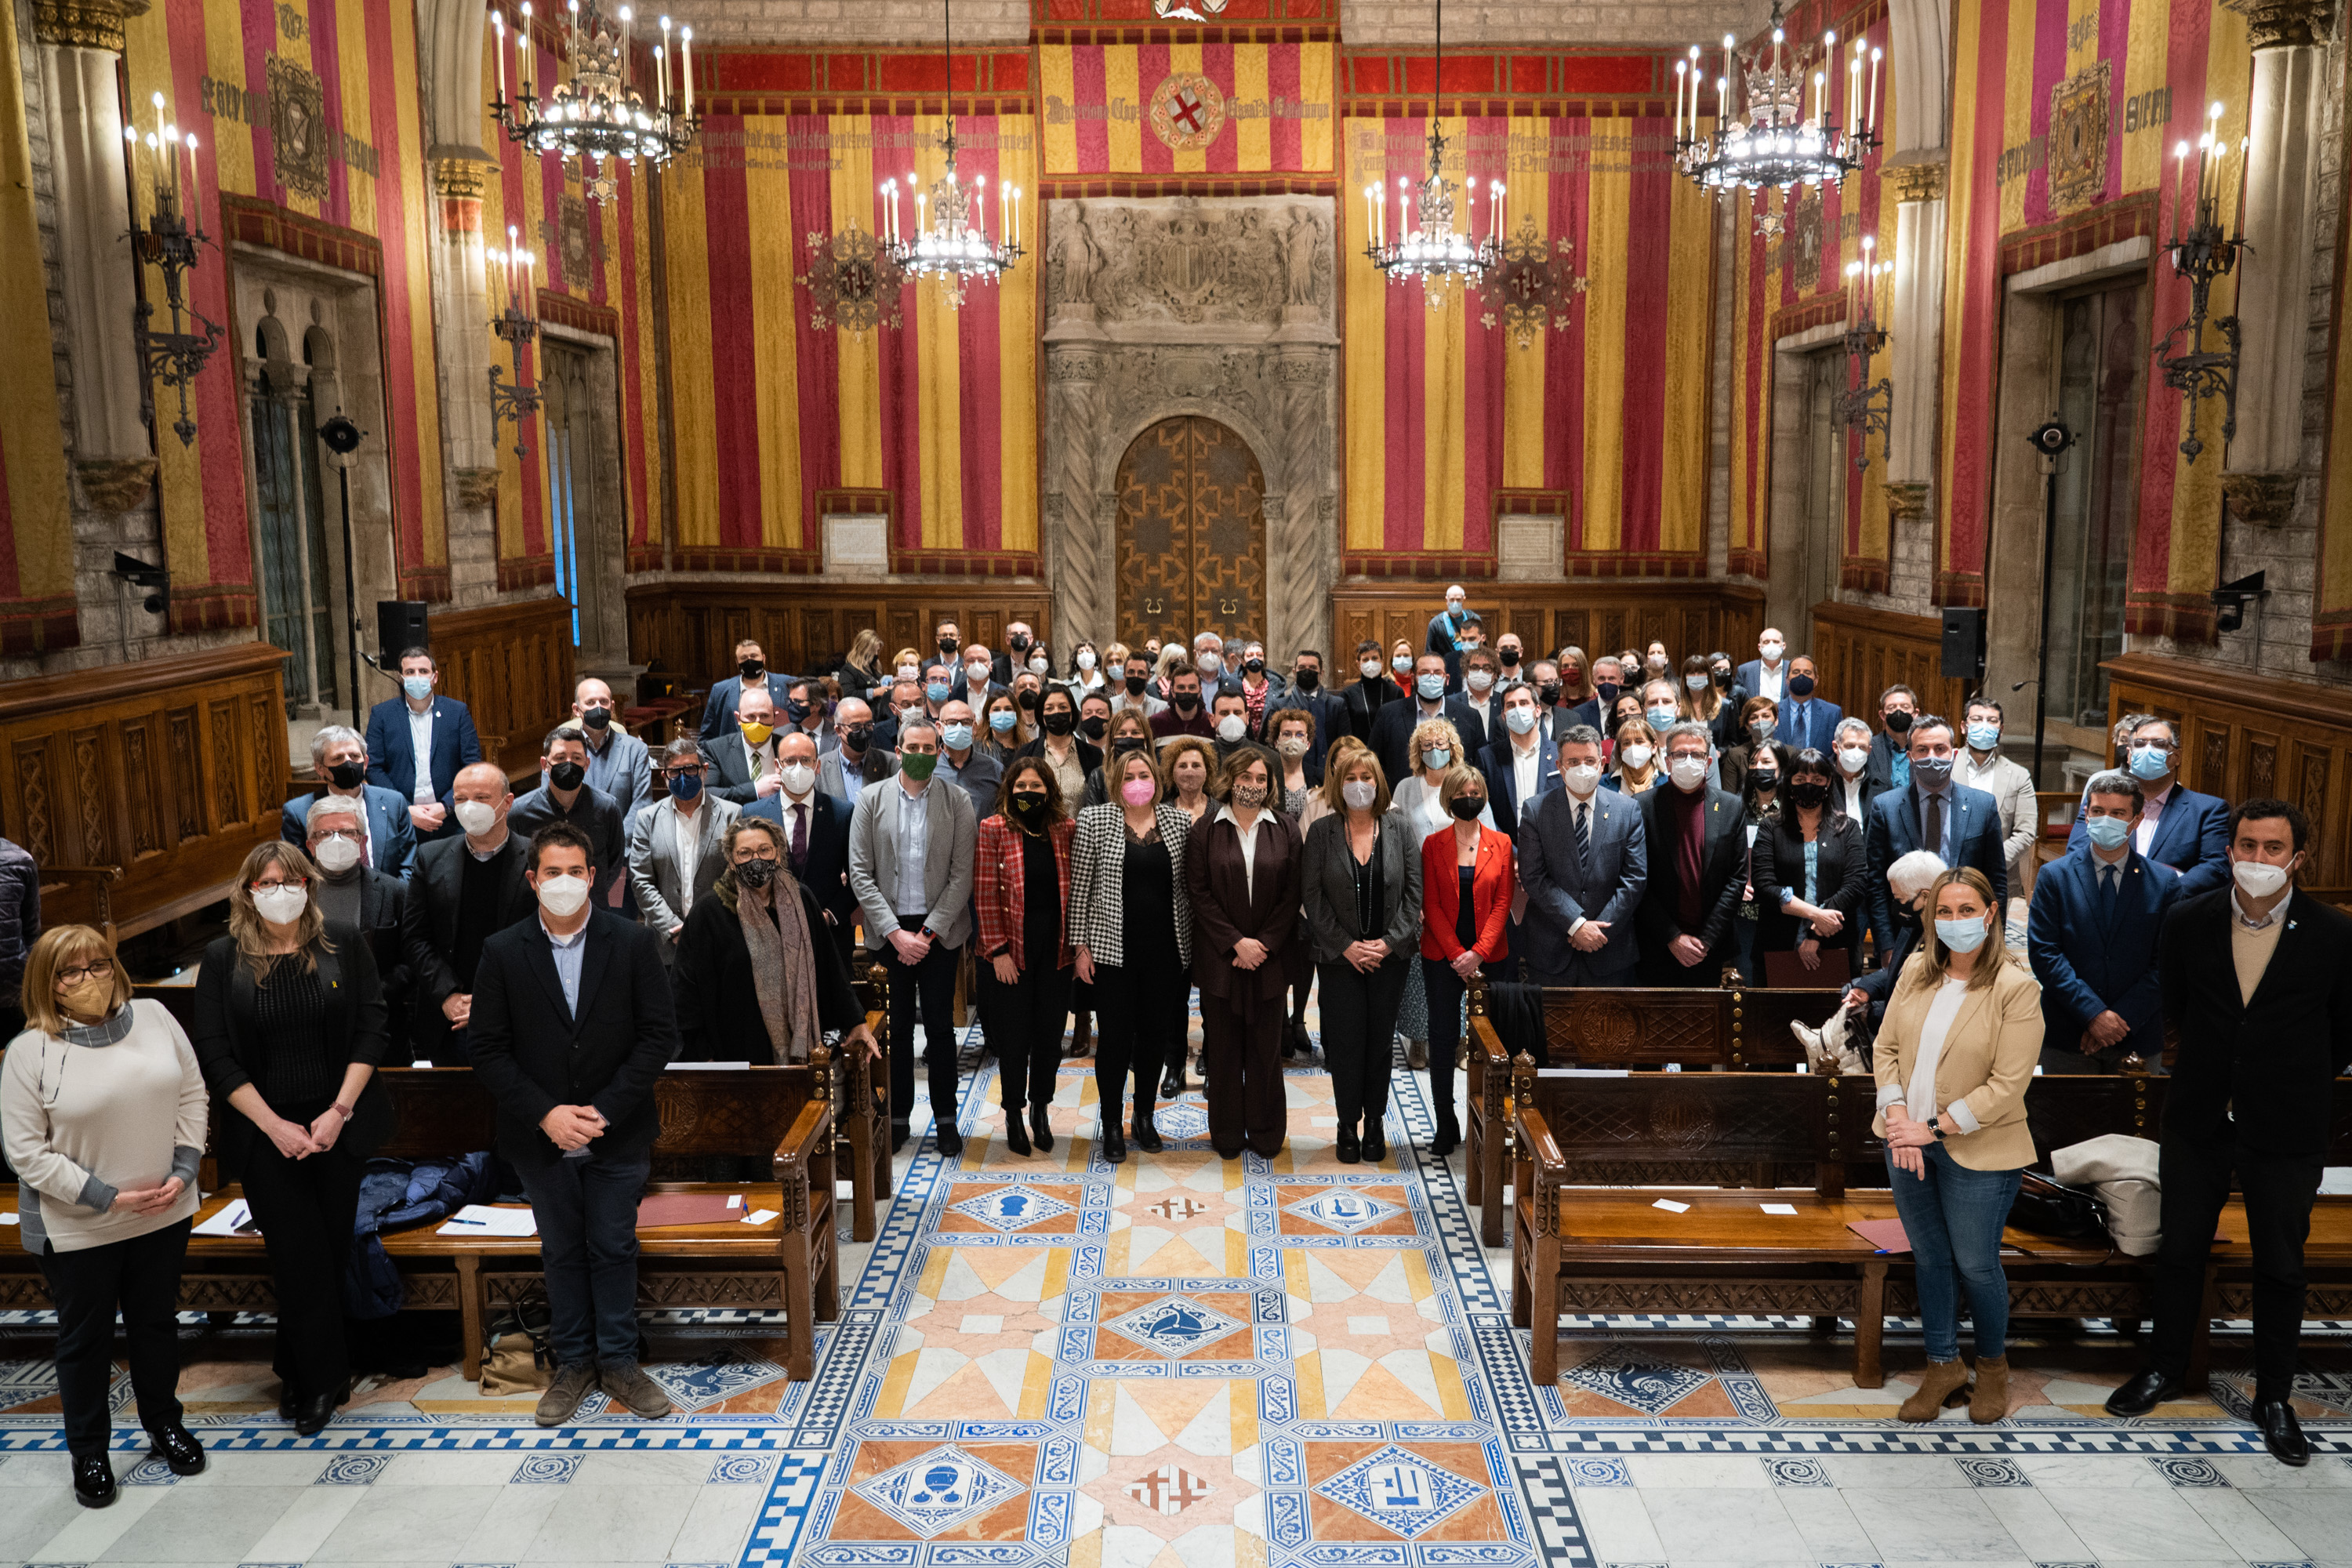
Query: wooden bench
[[781, 1114]]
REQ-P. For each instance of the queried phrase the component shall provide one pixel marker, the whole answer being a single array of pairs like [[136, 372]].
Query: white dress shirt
[[690, 855], [1773, 681], [420, 738], [1850, 790], [1249, 845]]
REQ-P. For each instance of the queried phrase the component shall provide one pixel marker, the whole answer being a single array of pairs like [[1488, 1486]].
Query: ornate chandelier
[[951, 240], [1432, 249], [596, 117], [1774, 137]]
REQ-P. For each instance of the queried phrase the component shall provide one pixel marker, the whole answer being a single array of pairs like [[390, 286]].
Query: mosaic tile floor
[[1178, 1363]]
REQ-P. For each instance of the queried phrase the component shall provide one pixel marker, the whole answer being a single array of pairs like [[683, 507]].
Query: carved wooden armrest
[[99, 879], [1540, 1160], [810, 1135], [1489, 1046], [867, 1081]]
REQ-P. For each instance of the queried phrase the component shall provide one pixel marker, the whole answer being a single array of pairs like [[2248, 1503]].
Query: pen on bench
[[455, 1220]]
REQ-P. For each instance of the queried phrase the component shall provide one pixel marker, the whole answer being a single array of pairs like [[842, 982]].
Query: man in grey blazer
[[1583, 890], [675, 845], [911, 842]]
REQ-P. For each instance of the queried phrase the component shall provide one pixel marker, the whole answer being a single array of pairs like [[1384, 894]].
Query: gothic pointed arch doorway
[[1192, 534]]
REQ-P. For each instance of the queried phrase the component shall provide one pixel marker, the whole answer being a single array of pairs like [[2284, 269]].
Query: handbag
[[2052, 1208], [520, 1355]]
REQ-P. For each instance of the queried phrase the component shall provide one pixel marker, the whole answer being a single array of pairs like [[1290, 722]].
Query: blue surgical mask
[[2107, 832], [1003, 721], [2149, 762], [955, 737], [1961, 936], [418, 687], [1983, 737], [1661, 717], [1521, 719], [937, 691], [1435, 757], [1431, 686]]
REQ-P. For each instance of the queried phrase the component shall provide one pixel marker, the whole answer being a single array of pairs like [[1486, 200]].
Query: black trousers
[[141, 1278], [305, 1209], [587, 1214], [1024, 1029], [1140, 1018], [1360, 1014], [2279, 1193], [1241, 1068], [1446, 993], [927, 986]]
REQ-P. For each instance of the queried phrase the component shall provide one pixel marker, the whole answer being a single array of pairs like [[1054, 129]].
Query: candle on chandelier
[[661, 68], [530, 284], [1853, 90], [1723, 86], [1876, 55], [1404, 207], [522, 52], [1016, 218], [1502, 211], [514, 254], [1821, 91], [686, 48], [498, 50], [2246, 159], [628, 29], [1682, 74]]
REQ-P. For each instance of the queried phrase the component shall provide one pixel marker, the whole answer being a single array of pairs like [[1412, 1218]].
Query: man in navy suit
[[338, 756], [1518, 756], [1767, 675], [2183, 829], [1806, 720], [417, 741], [1959, 825], [1393, 730], [1608, 680], [1477, 710], [1584, 877], [2096, 922], [816, 833], [726, 695], [1696, 846]]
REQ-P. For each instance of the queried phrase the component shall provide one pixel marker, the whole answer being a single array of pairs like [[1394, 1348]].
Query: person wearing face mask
[[975, 677], [1808, 722], [1981, 765], [1243, 868], [807, 708], [1401, 659], [727, 695], [573, 1025], [1543, 678], [1229, 719], [1022, 867], [1467, 881], [1959, 825], [1520, 769], [1360, 875], [1584, 862], [1006, 728], [1372, 689], [1444, 637], [1954, 1060], [1760, 731], [904, 697], [1393, 730], [1851, 786], [1724, 687], [910, 865], [2091, 935], [1657, 664], [1215, 665], [1094, 717], [619, 763], [674, 845], [351, 892], [289, 1028], [1907, 881], [2257, 980], [102, 1112], [1128, 731], [1811, 875], [1759, 801], [1700, 697], [417, 741], [1190, 766], [338, 756], [1608, 680], [1187, 713], [743, 761], [1090, 669], [862, 757], [1070, 756], [814, 828], [1020, 644], [1696, 840], [1662, 703], [962, 763], [861, 667], [1260, 688], [1890, 749], [1477, 708], [2179, 826], [1512, 654], [1290, 736], [1575, 679], [1634, 765], [1135, 689], [568, 796], [1765, 675], [948, 640], [465, 890], [1435, 750]]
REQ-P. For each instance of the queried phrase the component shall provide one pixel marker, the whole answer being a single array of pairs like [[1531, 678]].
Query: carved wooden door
[[1192, 534]]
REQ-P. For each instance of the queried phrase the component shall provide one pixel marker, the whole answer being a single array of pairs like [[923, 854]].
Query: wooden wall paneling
[[511, 664], [1599, 618], [1859, 652], [692, 627]]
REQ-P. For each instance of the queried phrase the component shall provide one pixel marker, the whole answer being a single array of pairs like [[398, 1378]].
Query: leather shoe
[[312, 1413], [1147, 1136], [950, 1142], [176, 1449], [2282, 1433], [1448, 1139], [93, 1480], [1376, 1147], [1349, 1151], [1016, 1137], [2143, 1394], [289, 1400], [1040, 1129], [1114, 1141], [899, 1133], [1172, 1085]]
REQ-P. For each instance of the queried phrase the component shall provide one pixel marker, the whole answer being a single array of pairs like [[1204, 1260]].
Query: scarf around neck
[[783, 966]]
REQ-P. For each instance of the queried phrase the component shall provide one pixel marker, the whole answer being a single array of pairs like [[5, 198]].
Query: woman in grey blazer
[[1131, 919], [1363, 916]]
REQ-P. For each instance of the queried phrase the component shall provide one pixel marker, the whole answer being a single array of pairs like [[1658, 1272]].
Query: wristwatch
[[1937, 1129]]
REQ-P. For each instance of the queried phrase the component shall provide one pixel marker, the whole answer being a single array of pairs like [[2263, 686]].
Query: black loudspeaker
[[399, 624], [1963, 645]]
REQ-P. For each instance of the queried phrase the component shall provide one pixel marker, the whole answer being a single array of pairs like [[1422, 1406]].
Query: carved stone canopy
[[2266, 500], [1912, 181], [85, 24], [1142, 268], [2286, 24]]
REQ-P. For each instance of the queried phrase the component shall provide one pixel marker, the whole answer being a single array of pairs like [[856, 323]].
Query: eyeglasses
[[350, 834], [289, 882], [673, 774], [84, 972]]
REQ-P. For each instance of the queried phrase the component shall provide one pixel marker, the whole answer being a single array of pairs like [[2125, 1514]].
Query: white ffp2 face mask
[[336, 855], [477, 816], [563, 896], [282, 906], [1687, 772], [798, 777], [1584, 778], [2258, 878]]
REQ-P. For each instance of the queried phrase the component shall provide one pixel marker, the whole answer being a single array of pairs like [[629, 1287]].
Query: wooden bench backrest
[[1696, 1129], [1637, 1026]]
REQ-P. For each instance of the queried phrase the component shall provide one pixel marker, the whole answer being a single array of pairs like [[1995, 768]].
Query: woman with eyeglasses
[[290, 1029], [102, 1114]]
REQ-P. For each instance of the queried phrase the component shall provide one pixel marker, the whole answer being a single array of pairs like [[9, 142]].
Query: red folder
[[658, 1209]]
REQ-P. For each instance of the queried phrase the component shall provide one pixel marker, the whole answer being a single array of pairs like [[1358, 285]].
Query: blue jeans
[[1953, 1219], [587, 1214]]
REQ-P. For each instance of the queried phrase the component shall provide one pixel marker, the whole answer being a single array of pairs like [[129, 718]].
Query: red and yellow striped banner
[[1207, 105], [37, 582]]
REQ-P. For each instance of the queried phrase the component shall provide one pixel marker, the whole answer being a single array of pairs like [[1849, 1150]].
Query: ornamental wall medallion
[[576, 237], [2080, 121], [297, 128], [1187, 110], [1531, 292], [852, 282]]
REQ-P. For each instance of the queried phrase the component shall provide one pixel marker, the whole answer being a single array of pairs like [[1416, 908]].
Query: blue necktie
[[2109, 878]]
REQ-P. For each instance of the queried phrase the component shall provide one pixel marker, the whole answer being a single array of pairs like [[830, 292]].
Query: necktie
[[1931, 824], [759, 763], [1584, 836], [800, 836], [2107, 889]]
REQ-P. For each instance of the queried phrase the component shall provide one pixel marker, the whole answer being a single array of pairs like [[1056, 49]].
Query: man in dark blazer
[[1519, 748], [1583, 889], [1478, 714], [842, 773], [1368, 694], [1806, 720], [2257, 982], [1393, 730], [573, 1026], [726, 694], [1890, 749], [1608, 681], [816, 836], [2180, 827], [743, 767], [1307, 690], [1968, 820], [338, 756], [2091, 935], [1684, 922], [446, 729], [465, 890]]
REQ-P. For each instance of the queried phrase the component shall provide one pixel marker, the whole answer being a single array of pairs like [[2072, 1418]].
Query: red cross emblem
[[1168, 1490], [1188, 111], [1185, 110]]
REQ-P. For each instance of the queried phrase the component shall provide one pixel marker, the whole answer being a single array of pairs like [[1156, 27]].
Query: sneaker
[[628, 1386], [571, 1384]]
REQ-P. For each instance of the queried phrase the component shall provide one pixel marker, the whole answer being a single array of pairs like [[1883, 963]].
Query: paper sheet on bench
[[482, 1219], [707, 1066], [1780, 1208], [1671, 1206], [236, 1219]]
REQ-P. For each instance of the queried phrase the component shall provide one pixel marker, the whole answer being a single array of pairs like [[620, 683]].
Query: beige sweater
[[121, 1105]]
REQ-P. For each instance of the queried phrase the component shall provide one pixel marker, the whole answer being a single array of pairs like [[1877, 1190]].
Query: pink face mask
[[1136, 792]]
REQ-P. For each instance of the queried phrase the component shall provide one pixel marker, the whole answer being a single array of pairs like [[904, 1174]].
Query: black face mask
[[1466, 807], [566, 776], [1020, 645], [1722, 680], [947, 647], [1028, 807], [797, 713], [1093, 726], [1309, 680], [1186, 702], [752, 668], [755, 874], [1060, 721], [1510, 658], [1255, 666], [1135, 684], [1552, 691], [1809, 794], [1130, 743], [1800, 686], [856, 736], [1029, 699], [597, 717], [1606, 690], [1765, 782], [1899, 722], [347, 775]]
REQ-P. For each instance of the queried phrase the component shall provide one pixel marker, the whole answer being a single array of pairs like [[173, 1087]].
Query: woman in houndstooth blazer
[[1132, 920]]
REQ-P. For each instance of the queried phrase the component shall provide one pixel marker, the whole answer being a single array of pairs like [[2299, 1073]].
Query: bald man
[[466, 887], [618, 762]]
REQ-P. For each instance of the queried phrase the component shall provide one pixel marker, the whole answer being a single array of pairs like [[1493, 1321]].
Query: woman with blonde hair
[[907, 665], [1634, 765], [1435, 750], [1170, 659], [1955, 1057], [861, 670], [1363, 886], [290, 1029], [1575, 676], [1190, 766], [102, 1115]]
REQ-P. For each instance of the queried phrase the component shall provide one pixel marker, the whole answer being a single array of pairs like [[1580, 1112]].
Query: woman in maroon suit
[[1243, 870]]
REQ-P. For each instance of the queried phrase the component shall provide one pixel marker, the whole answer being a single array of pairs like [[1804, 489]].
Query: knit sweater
[[119, 1104]]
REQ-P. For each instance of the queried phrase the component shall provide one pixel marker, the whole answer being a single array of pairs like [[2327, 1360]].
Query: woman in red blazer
[[1020, 870], [1466, 883]]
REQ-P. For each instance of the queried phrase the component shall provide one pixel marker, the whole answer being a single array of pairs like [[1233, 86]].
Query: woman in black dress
[[1811, 873]]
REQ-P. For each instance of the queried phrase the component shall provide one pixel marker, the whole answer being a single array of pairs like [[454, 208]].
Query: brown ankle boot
[[1989, 1403], [1938, 1383]]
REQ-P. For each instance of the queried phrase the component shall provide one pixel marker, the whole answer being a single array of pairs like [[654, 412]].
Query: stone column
[[1915, 333], [81, 44], [2265, 457], [1079, 554], [461, 339], [1300, 556]]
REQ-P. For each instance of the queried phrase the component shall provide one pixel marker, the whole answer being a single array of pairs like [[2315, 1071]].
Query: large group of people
[[1108, 838]]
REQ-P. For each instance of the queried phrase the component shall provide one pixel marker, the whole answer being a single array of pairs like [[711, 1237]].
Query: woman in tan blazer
[[1956, 1052]]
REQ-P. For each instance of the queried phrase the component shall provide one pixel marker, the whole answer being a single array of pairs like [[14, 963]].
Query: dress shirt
[[1919, 1102], [1851, 788], [1792, 720], [1249, 845], [420, 741], [690, 855], [762, 757], [491, 853], [1526, 764], [910, 900], [1771, 681], [2110, 881], [2145, 833], [568, 951]]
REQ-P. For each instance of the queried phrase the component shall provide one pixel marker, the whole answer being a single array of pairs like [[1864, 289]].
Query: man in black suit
[[1608, 680], [2258, 989], [465, 890], [816, 836], [571, 1027], [1937, 813], [1890, 749], [1697, 850], [1393, 730], [1477, 708], [727, 695]]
